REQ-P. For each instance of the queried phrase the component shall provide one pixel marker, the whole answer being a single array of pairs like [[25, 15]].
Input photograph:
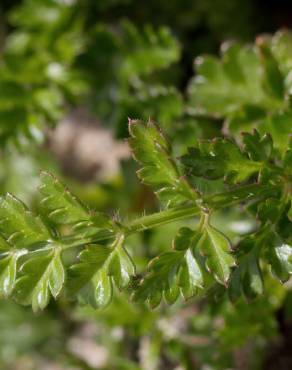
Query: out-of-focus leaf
[[222, 87], [148, 50], [281, 48], [273, 80], [277, 125]]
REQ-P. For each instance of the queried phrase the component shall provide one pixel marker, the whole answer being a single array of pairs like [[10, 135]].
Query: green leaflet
[[18, 225], [279, 127], [99, 265], [191, 278], [102, 290], [216, 249], [161, 277], [258, 148], [159, 170], [269, 210], [91, 260], [247, 277], [63, 208], [281, 261], [121, 267], [179, 270], [41, 276], [279, 255], [60, 205], [8, 271], [152, 150], [219, 158]]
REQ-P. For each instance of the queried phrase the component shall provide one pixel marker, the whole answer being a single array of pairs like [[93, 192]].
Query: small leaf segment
[[32, 248]]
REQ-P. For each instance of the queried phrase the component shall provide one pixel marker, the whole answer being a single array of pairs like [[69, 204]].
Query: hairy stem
[[217, 201]]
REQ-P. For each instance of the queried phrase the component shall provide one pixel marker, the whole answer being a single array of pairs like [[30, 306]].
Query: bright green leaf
[[152, 151], [18, 225], [216, 249], [92, 276], [8, 272], [59, 204], [41, 276]]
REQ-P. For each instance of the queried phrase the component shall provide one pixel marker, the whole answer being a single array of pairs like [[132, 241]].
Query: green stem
[[138, 225], [217, 201], [162, 218]]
